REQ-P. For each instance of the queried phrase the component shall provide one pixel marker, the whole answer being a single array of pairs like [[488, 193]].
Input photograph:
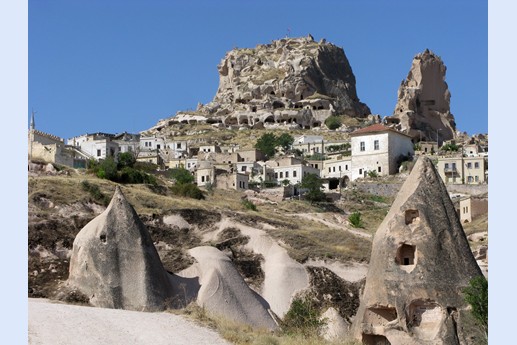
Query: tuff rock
[[420, 262], [115, 264], [423, 102]]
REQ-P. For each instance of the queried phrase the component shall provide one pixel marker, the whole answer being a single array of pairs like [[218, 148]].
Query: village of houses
[[375, 150]]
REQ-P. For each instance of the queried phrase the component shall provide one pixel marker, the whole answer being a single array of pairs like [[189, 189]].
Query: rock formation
[[223, 292], [296, 81], [115, 264], [423, 103], [420, 262]]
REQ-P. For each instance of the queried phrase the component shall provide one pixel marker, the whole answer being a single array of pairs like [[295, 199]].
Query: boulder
[[115, 264], [420, 262]]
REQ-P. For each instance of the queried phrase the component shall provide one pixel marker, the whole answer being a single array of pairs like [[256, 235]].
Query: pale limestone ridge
[[115, 264], [420, 262], [423, 102]]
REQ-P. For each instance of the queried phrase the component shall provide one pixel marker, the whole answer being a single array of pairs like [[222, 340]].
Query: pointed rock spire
[[420, 262], [115, 263]]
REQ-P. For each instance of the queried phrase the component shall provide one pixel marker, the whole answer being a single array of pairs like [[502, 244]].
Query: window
[[178, 145], [294, 173], [346, 167], [340, 168], [469, 179], [453, 166], [329, 169], [316, 166], [376, 145], [362, 146], [360, 171], [276, 175], [476, 178], [281, 174], [333, 169], [378, 169], [158, 146], [469, 165], [476, 165], [287, 174], [446, 166], [202, 179], [243, 168], [98, 153]]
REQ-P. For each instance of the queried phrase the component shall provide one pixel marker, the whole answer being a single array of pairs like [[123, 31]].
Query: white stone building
[[378, 148], [95, 145]]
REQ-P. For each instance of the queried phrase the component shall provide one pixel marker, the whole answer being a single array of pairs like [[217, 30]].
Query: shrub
[[333, 122], [131, 175], [302, 317], [355, 220], [476, 294], [94, 192], [107, 169], [181, 176], [249, 205], [147, 167], [372, 173], [189, 190]]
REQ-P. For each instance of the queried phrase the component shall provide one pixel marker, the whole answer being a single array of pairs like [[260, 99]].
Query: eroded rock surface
[[423, 103], [115, 264], [294, 81], [420, 262]]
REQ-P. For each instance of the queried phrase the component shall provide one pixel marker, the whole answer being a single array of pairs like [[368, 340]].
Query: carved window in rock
[[406, 255], [412, 217]]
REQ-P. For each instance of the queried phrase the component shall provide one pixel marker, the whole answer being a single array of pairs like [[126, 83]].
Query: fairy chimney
[[115, 263], [420, 262]]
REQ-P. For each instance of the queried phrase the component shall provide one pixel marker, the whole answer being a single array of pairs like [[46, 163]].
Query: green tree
[[126, 159], [476, 294], [285, 140], [181, 175], [267, 144], [107, 169], [313, 184]]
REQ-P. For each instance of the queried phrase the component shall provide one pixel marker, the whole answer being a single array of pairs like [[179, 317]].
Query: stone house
[[463, 206], [205, 174], [336, 172], [95, 145], [227, 180], [428, 147], [378, 148], [287, 168], [127, 142], [151, 143], [463, 170], [187, 163], [176, 148]]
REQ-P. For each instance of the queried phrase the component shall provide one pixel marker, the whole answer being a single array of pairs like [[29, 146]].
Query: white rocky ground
[[62, 324]]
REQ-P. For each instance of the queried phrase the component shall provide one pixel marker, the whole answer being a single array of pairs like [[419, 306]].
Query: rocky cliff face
[[292, 80], [423, 104]]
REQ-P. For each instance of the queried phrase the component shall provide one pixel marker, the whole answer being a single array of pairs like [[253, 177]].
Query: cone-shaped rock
[[115, 263], [224, 293], [420, 262]]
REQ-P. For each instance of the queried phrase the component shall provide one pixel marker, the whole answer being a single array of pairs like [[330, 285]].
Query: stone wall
[[474, 190]]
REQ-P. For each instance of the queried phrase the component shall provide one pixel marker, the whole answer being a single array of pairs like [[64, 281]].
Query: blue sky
[[116, 66]]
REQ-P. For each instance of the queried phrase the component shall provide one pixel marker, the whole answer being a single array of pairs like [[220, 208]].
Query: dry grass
[[241, 334]]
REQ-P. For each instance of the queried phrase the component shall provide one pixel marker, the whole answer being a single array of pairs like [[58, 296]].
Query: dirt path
[[314, 217], [60, 324]]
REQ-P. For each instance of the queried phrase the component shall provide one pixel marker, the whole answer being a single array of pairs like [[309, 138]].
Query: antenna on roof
[[33, 123]]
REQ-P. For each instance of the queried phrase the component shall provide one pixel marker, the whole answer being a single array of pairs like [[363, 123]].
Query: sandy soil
[[56, 324]]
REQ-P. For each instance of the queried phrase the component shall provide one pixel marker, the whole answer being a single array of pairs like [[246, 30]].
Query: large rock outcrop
[[294, 81], [423, 103], [223, 291], [420, 262], [115, 264]]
